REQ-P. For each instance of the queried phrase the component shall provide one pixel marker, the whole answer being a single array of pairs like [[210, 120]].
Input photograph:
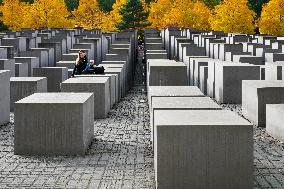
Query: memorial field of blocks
[[189, 75]]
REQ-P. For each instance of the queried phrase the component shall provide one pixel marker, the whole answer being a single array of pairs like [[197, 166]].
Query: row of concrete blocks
[[107, 89], [227, 83], [196, 143], [53, 112]]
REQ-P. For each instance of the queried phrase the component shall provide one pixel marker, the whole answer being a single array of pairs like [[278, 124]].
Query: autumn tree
[[189, 14], [233, 16], [272, 18], [48, 13], [115, 10], [133, 16], [158, 11], [89, 15], [13, 14]]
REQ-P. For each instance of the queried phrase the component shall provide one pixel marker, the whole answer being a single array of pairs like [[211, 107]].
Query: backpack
[[99, 70]]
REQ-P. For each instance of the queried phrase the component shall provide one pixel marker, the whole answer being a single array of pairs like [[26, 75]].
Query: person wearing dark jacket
[[80, 64]]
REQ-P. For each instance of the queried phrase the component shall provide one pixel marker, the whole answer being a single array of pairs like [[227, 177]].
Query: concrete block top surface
[[279, 107], [225, 63], [277, 63], [112, 61], [66, 61], [86, 80], [51, 68], [263, 83], [24, 79], [184, 102], [174, 91], [197, 117], [165, 63], [56, 98], [109, 69], [26, 57], [4, 71]]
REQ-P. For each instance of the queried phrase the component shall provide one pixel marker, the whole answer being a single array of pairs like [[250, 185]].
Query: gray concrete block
[[255, 96], [249, 59], [19, 43], [228, 80], [156, 55], [70, 57], [180, 103], [125, 84], [163, 72], [203, 79], [234, 48], [113, 78], [274, 70], [176, 91], [68, 131], [57, 49], [50, 56], [21, 70], [55, 76], [67, 64], [4, 96], [21, 87], [193, 152], [8, 64], [121, 79], [274, 121], [195, 64], [154, 46], [98, 86], [274, 57], [33, 62]]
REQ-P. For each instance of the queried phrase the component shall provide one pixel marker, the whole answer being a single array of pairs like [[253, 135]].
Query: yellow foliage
[[89, 15], [115, 12], [158, 11], [233, 16], [272, 18], [188, 14], [179, 13], [13, 14], [48, 13]]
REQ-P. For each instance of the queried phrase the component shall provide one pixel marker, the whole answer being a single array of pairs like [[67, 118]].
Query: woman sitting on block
[[81, 63]]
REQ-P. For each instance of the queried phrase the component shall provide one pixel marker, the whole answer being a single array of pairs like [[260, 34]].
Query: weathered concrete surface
[[255, 96], [275, 120], [190, 151], [21, 87], [55, 76], [98, 86], [68, 131], [4, 96]]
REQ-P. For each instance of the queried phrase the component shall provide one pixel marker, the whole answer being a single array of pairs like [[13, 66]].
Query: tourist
[[81, 63]]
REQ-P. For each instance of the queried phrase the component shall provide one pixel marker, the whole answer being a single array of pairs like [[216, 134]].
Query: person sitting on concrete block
[[81, 63]]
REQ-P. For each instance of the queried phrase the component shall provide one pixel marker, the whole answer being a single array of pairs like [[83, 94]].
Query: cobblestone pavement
[[120, 155], [268, 157]]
